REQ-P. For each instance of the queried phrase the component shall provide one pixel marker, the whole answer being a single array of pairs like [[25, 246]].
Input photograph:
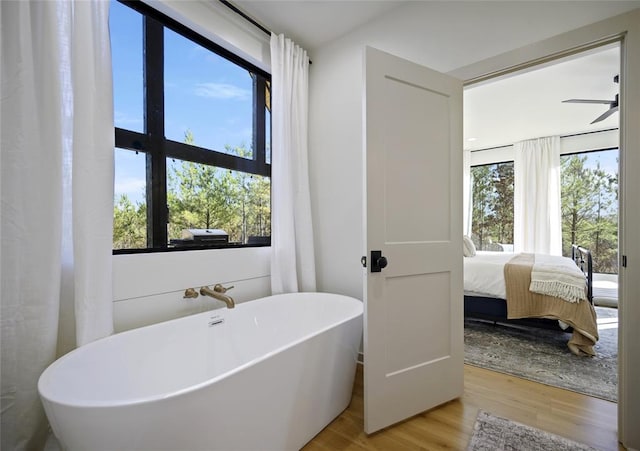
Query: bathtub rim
[[192, 388]]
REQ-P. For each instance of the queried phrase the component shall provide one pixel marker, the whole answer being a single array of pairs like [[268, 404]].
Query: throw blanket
[[522, 303], [558, 276]]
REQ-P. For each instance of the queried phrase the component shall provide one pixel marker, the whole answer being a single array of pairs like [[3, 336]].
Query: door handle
[[378, 261]]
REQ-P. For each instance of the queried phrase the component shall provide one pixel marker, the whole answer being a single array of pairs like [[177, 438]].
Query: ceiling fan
[[613, 104]]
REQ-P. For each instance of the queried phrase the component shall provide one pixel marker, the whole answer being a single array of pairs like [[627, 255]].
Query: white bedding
[[558, 276], [484, 274]]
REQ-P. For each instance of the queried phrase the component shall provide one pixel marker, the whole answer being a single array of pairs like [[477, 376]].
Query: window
[[590, 206], [193, 122], [492, 211]]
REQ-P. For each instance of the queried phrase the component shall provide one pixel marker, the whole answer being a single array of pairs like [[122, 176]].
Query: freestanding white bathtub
[[267, 375]]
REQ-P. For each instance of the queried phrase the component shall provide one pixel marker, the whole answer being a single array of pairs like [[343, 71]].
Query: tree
[[259, 213], [482, 190], [502, 204], [589, 211], [492, 212], [129, 224], [576, 201], [207, 197]]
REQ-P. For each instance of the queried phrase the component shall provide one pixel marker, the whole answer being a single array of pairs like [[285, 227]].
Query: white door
[[413, 326]]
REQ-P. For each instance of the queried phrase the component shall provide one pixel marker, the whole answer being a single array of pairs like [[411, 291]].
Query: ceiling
[[312, 23], [529, 105], [514, 108]]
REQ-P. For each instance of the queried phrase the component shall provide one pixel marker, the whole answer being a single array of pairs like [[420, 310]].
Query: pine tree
[[589, 212], [207, 197], [129, 224]]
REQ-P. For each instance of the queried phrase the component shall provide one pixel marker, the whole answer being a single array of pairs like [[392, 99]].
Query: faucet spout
[[218, 293]]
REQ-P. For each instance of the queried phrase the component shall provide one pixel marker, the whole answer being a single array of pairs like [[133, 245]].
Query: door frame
[[626, 29]]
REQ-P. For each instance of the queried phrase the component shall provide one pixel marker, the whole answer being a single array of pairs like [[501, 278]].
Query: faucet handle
[[220, 289], [190, 293]]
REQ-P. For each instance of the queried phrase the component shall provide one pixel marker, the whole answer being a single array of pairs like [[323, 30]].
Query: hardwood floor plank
[[449, 427]]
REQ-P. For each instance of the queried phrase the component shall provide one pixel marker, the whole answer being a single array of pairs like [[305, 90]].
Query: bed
[[534, 290]]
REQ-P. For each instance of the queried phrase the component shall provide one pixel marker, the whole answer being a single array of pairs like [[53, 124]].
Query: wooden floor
[[578, 417]]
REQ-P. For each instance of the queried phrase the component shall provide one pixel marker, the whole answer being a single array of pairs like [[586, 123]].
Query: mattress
[[484, 274]]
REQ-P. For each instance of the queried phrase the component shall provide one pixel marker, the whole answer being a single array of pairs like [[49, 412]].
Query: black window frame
[[158, 148]]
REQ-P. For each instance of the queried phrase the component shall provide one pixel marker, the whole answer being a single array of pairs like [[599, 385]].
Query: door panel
[[420, 116], [424, 325], [413, 339]]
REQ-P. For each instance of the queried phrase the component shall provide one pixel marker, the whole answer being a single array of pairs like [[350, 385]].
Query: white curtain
[[57, 197], [537, 217], [292, 251], [467, 193]]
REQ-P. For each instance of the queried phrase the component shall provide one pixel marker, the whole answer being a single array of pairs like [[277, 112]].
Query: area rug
[[491, 433], [543, 356]]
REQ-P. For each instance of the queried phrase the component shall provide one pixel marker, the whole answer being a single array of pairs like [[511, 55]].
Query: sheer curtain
[[467, 193], [57, 197], [537, 217], [292, 251]]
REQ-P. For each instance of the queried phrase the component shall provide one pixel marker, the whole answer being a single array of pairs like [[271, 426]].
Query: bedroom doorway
[[574, 97]]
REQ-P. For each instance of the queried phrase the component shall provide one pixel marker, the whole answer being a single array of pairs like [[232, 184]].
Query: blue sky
[[204, 93], [608, 160]]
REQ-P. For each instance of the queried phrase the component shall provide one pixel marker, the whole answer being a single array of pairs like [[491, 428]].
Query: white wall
[[149, 288], [336, 168], [458, 34]]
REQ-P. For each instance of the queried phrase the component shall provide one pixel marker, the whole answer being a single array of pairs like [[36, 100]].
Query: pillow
[[468, 248]]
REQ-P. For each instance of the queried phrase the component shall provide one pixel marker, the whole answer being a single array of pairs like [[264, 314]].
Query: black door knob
[[378, 261]]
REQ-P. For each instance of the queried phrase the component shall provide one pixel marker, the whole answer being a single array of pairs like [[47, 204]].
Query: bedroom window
[[192, 157], [492, 211], [590, 206]]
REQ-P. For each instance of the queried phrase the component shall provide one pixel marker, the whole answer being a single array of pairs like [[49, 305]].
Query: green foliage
[[206, 197], [129, 224], [492, 213], [589, 212]]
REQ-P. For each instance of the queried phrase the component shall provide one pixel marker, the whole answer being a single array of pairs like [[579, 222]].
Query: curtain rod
[[249, 19], [561, 137], [589, 133], [236, 10]]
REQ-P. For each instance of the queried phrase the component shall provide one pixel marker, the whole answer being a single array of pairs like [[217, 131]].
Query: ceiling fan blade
[[605, 102], [605, 115]]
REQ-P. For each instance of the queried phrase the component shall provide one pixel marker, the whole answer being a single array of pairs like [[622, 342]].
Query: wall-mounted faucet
[[218, 293]]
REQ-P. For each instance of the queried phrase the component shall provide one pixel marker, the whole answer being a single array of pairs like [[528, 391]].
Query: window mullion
[[127, 139], [157, 214], [188, 152], [259, 87]]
